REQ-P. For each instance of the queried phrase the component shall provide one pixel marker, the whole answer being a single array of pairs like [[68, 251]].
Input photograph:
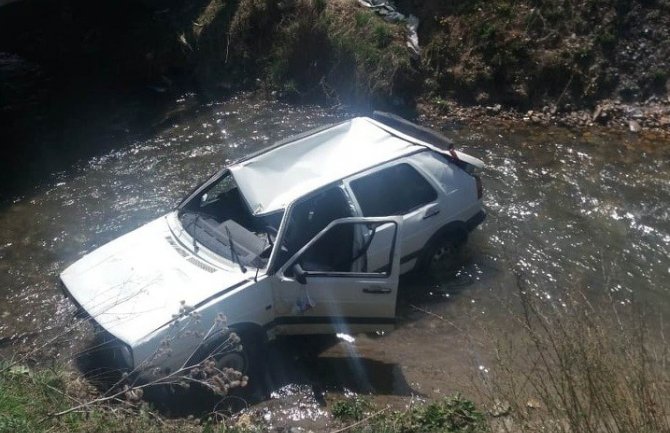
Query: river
[[566, 208]]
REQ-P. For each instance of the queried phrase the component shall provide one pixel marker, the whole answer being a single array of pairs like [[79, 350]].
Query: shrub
[[591, 370]]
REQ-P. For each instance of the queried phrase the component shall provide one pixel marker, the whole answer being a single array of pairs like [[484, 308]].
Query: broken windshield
[[219, 214]]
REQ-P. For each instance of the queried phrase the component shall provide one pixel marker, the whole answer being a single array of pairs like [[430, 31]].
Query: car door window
[[395, 190], [311, 216], [342, 249]]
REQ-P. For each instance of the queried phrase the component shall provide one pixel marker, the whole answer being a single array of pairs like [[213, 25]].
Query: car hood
[[135, 284]]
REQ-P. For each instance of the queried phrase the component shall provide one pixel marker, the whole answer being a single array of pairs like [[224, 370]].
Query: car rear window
[[395, 190]]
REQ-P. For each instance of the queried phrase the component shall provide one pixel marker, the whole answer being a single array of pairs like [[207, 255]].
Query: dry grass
[[341, 50], [581, 369]]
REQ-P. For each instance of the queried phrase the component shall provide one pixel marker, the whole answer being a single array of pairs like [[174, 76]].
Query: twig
[[436, 316], [558, 101], [349, 427]]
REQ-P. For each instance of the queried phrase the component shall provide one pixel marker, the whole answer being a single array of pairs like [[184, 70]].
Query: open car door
[[330, 284]]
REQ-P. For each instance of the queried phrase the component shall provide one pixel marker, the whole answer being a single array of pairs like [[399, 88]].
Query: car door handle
[[431, 212], [377, 290]]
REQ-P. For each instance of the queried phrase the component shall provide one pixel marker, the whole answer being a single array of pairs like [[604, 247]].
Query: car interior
[[311, 216], [220, 213]]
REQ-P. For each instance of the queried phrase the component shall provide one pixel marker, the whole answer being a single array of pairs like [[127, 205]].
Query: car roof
[[272, 179]]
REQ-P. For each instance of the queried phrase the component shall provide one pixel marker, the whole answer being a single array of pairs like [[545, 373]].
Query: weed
[[382, 34], [362, 19], [487, 31], [351, 409], [592, 370], [452, 414]]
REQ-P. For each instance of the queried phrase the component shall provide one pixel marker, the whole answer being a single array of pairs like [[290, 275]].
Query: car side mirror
[[299, 274]]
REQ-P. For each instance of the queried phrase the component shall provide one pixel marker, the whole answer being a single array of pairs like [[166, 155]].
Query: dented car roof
[[273, 179]]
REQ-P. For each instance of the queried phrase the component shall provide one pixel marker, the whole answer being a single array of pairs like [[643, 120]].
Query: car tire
[[246, 360], [440, 253]]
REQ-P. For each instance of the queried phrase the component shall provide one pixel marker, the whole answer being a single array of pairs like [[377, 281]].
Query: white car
[[308, 236]]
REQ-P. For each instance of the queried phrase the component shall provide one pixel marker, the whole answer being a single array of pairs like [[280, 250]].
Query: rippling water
[[587, 209]]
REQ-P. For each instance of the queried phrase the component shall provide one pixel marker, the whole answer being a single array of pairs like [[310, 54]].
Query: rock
[[634, 126], [500, 408], [597, 113], [664, 121], [494, 109], [533, 403]]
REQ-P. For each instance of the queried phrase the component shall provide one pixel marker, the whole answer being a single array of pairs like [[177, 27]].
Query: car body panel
[[272, 180], [349, 302], [136, 283]]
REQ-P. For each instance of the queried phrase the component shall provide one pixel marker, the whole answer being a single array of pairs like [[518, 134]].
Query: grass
[[28, 400], [339, 49], [501, 47], [576, 368], [452, 414], [304, 48]]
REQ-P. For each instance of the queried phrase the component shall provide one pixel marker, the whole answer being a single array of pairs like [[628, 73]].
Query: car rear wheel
[[440, 254]]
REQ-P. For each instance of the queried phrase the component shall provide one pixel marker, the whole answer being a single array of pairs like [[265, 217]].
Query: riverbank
[[540, 60], [651, 119], [37, 401]]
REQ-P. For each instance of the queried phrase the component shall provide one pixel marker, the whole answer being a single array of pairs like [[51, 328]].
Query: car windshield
[[219, 219]]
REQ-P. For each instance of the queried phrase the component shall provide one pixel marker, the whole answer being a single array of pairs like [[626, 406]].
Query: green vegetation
[[452, 414], [526, 53], [306, 48], [351, 409], [29, 399], [518, 53]]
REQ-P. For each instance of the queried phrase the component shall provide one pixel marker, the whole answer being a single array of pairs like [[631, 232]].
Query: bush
[[452, 414]]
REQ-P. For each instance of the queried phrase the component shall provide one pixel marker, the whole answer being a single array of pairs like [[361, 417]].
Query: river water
[[565, 209]]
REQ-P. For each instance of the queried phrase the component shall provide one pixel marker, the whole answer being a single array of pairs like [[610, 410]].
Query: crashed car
[[308, 236]]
